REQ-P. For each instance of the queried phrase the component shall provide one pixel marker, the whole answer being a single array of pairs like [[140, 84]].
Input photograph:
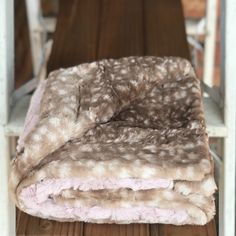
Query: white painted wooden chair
[[206, 27], [14, 104]]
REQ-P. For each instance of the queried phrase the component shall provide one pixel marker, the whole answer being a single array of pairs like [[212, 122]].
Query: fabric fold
[[116, 141]]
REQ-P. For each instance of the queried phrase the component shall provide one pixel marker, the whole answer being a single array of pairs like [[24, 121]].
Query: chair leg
[[7, 208], [221, 203], [36, 29], [227, 189]]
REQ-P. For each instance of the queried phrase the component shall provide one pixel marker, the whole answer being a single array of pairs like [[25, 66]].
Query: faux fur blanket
[[116, 141]]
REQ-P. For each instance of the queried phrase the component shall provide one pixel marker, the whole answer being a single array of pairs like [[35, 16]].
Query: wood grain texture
[[185, 230], [23, 62], [164, 29], [75, 39], [89, 30], [172, 230], [121, 29], [28, 225], [116, 230]]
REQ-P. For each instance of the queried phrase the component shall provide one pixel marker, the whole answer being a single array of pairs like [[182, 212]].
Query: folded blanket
[[116, 141]]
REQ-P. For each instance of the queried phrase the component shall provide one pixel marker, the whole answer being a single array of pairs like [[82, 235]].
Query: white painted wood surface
[[7, 207], [214, 119], [6, 57], [49, 23], [205, 27], [214, 93], [209, 53], [227, 183], [36, 30], [195, 27], [17, 118], [25, 89]]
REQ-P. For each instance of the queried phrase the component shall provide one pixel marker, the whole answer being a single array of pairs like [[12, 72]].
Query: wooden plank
[[116, 230], [120, 29], [34, 15], [28, 225], [49, 23], [211, 228], [25, 89], [57, 228], [154, 230], [187, 230], [21, 223], [33, 229], [23, 62], [209, 42], [91, 30], [76, 33], [164, 29], [7, 207]]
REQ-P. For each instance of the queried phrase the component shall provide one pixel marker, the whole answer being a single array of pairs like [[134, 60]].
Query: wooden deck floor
[[28, 226]]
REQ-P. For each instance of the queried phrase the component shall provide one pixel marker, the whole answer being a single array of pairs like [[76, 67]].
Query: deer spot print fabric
[[116, 141]]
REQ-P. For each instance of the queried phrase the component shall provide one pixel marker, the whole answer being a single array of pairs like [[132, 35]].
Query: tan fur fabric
[[135, 117]]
